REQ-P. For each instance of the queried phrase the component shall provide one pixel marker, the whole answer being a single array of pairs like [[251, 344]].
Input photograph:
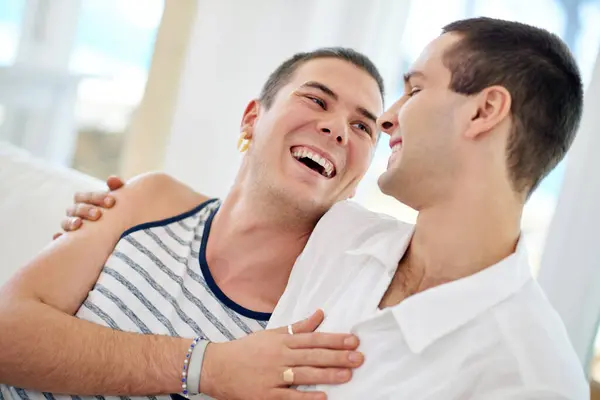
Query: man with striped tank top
[[123, 306]]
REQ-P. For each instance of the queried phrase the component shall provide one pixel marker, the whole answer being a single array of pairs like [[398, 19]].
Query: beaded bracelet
[[184, 374]]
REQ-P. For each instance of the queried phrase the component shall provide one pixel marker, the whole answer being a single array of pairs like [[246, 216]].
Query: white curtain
[[236, 44], [38, 91], [570, 269]]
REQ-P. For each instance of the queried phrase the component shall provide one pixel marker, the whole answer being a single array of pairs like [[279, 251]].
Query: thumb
[[309, 324]]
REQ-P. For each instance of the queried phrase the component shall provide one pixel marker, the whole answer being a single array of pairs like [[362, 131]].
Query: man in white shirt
[[448, 309]]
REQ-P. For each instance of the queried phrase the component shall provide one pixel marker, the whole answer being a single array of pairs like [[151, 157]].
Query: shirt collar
[[436, 312], [387, 244]]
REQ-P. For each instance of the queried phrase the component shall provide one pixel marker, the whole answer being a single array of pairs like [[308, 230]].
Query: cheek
[[270, 132], [421, 117], [263, 131], [359, 158], [280, 120], [407, 113]]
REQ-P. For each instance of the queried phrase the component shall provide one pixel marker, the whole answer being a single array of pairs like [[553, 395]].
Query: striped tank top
[[157, 281]]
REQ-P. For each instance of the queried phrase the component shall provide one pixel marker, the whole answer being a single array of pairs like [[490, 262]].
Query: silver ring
[[290, 330]]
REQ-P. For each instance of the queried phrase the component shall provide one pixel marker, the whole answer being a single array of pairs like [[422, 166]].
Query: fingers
[[114, 182], [309, 324], [293, 394], [321, 376], [333, 341], [326, 358], [84, 211], [70, 224], [100, 199]]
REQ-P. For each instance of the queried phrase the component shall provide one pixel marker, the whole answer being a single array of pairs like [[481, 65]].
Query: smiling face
[[315, 142], [425, 127]]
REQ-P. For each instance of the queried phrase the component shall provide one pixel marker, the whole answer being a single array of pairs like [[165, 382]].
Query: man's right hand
[[89, 205], [252, 368]]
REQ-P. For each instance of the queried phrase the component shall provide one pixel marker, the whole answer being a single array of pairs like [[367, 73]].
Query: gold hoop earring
[[243, 142]]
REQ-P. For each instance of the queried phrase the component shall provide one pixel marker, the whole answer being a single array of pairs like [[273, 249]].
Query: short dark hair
[[281, 76], [543, 79]]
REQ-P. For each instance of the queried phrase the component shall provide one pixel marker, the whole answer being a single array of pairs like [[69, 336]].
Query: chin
[[403, 192], [306, 202], [392, 184], [386, 183]]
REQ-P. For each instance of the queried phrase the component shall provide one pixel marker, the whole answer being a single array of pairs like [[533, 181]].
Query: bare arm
[[245, 369], [44, 347]]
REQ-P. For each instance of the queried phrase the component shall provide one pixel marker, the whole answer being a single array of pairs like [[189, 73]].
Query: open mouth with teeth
[[314, 161]]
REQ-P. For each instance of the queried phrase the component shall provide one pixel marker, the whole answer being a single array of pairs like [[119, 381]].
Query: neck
[[254, 243], [465, 234]]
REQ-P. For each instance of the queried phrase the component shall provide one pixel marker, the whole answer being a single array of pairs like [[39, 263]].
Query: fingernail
[[354, 357], [344, 374], [75, 221], [109, 201], [93, 213], [350, 341]]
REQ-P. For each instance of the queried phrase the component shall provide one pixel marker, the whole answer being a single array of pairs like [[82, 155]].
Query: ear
[[250, 117], [491, 108]]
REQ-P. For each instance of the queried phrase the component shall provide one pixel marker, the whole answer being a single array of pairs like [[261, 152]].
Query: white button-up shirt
[[492, 335]]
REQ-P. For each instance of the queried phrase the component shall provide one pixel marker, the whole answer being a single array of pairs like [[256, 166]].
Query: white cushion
[[33, 199]]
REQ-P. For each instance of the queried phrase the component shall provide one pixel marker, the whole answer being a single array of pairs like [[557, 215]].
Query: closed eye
[[318, 101], [413, 91]]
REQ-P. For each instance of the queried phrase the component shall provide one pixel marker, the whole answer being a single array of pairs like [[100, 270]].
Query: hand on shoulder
[[149, 196]]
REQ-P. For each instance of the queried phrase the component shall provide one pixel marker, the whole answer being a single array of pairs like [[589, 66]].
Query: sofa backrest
[[33, 199]]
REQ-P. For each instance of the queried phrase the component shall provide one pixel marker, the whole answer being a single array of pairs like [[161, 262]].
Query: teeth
[[323, 162], [396, 147]]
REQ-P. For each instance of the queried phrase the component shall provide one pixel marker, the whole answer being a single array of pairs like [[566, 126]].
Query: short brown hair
[[282, 74], [543, 79]]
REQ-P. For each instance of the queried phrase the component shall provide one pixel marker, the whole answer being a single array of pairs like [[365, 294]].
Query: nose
[[339, 134], [388, 121]]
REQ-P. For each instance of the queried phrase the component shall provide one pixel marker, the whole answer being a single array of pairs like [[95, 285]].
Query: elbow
[[15, 307], [20, 327]]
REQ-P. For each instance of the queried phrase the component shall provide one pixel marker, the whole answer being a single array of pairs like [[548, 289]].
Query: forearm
[[46, 350]]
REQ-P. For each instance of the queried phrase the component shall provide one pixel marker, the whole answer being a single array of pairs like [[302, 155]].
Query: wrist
[[211, 370], [176, 367], [193, 368]]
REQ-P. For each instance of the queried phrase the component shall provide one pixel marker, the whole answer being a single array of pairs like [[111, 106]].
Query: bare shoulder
[[165, 185], [156, 195]]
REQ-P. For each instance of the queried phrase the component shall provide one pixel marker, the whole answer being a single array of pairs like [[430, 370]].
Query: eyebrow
[[323, 88], [367, 114], [412, 74]]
